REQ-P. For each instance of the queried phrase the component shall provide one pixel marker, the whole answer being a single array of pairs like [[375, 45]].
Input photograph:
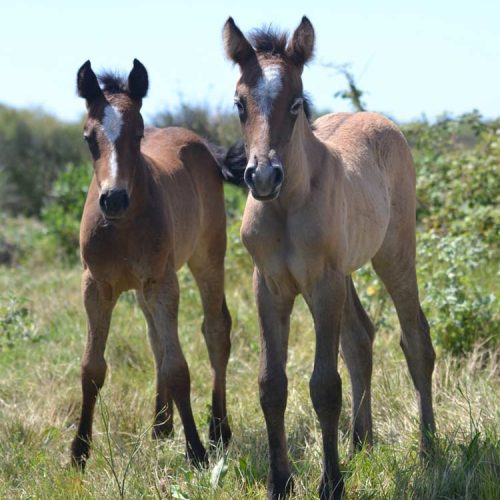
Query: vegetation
[[42, 331], [34, 147]]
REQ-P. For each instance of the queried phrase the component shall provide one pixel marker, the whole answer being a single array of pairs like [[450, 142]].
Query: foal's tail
[[232, 162]]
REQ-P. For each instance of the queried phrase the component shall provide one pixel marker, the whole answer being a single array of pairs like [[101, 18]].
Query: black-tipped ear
[[86, 82], [301, 47], [138, 81], [237, 47]]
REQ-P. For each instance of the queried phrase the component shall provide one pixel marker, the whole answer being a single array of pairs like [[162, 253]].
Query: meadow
[[42, 332]]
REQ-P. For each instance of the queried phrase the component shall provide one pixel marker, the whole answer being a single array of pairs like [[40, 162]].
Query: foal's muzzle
[[114, 203], [264, 179]]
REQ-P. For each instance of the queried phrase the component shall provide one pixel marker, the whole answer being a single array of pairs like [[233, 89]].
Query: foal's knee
[[417, 344], [176, 375], [216, 332], [273, 392], [326, 392], [94, 372]]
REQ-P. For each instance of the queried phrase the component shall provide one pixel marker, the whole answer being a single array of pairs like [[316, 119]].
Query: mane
[[307, 106], [269, 41], [113, 83]]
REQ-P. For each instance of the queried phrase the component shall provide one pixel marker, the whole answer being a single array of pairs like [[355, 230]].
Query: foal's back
[[366, 141], [190, 183]]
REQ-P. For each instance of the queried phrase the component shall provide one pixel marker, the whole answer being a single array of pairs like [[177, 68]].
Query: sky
[[413, 59]]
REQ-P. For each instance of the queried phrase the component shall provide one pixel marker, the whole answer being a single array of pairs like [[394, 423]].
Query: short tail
[[232, 162]]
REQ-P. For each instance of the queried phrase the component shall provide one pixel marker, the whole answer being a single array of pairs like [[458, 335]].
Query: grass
[[40, 402]]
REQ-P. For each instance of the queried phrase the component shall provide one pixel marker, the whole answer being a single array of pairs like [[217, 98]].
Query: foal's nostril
[[125, 200], [277, 176], [114, 202], [102, 201], [248, 176]]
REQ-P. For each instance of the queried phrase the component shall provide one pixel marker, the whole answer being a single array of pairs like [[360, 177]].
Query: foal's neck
[[299, 157]]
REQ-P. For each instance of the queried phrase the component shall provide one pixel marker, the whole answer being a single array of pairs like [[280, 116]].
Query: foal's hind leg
[[216, 327], [99, 301], [399, 276], [356, 341], [164, 408]]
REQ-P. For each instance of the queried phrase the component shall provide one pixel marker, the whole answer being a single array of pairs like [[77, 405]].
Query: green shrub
[[16, 322], [221, 128], [460, 310], [457, 187], [34, 147], [63, 211]]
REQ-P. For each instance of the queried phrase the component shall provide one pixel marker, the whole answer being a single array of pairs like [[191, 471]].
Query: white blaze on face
[[112, 123], [268, 87]]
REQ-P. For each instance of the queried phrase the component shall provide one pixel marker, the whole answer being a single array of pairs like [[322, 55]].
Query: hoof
[[428, 447], [197, 457], [162, 431], [280, 486], [79, 453], [331, 490], [219, 432]]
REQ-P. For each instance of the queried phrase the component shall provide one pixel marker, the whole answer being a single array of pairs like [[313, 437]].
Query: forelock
[[113, 83], [269, 41]]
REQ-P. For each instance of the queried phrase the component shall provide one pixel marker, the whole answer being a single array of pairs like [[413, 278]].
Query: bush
[[221, 128], [461, 313], [16, 322], [456, 163], [63, 211], [34, 147]]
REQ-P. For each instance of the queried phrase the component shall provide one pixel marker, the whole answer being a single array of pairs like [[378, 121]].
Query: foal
[[323, 201], [155, 202]]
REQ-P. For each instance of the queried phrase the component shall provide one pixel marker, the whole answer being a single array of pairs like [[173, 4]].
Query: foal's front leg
[[99, 300], [274, 309], [164, 407], [162, 301], [326, 301]]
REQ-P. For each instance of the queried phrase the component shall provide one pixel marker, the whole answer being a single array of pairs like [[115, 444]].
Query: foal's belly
[[367, 214], [363, 243]]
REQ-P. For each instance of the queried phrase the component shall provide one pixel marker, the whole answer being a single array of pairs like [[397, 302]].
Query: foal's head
[[269, 97], [113, 131]]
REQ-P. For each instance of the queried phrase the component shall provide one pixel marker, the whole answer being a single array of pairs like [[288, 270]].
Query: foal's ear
[[86, 83], [301, 46], [237, 47], [138, 81]]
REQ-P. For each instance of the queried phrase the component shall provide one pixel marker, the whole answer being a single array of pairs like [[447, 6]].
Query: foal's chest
[[287, 250], [122, 257]]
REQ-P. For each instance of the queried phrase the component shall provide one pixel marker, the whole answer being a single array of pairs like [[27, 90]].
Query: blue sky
[[412, 58]]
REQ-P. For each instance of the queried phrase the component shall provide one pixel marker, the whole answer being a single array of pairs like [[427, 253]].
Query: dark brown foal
[[154, 204]]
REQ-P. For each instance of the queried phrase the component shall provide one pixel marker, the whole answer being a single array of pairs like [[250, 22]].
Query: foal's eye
[[296, 105], [90, 139], [241, 107]]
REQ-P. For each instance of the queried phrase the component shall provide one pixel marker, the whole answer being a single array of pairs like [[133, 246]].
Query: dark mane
[[113, 83], [307, 105], [269, 41]]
